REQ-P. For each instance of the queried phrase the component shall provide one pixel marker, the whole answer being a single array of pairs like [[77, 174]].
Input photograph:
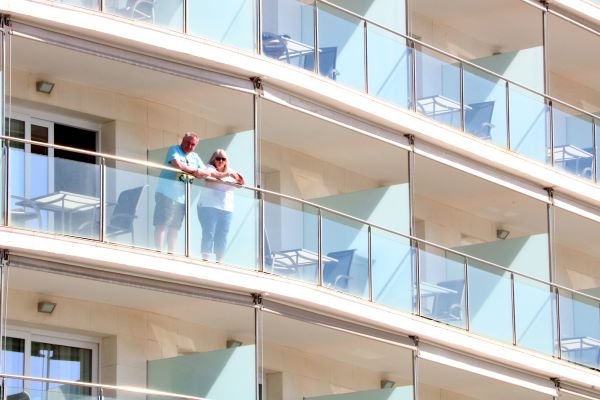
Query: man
[[170, 192]]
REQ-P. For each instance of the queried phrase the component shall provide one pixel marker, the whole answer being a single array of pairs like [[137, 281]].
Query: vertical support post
[[513, 310], [508, 145], [188, 240], [462, 95], [257, 174], [370, 262], [413, 76], [550, 224], [186, 22], [596, 152], [259, 26], [320, 247], [366, 61], [545, 47], [466, 292], [5, 144], [415, 368], [551, 130], [258, 340], [558, 332], [417, 264], [102, 210], [4, 260], [316, 33]]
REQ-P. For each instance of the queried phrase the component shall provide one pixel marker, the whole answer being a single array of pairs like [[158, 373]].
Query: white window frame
[[57, 338]]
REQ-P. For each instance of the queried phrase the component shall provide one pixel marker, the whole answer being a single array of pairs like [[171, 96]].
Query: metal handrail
[[318, 207], [145, 391], [455, 57]]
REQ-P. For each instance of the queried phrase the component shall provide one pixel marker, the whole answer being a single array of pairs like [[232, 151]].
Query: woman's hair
[[217, 153]]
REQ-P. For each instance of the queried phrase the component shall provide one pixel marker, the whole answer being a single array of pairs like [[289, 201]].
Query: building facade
[[419, 221]]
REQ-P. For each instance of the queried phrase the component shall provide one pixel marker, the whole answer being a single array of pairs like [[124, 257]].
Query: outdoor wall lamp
[[44, 86], [46, 307]]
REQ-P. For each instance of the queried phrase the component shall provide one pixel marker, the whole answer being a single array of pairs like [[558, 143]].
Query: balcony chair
[[336, 274], [122, 217], [327, 61], [275, 46], [448, 306], [478, 119]]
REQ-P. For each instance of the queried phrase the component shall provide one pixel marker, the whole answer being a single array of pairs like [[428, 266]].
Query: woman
[[215, 206]]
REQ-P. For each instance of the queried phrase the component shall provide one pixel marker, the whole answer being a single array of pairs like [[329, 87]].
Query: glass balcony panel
[[442, 287], [529, 128], [390, 65], [341, 47], [52, 194], [221, 235], [345, 255], [490, 302], [438, 88], [573, 142], [290, 239], [393, 271], [167, 14], [315, 362], [91, 4], [485, 106], [229, 22], [580, 329], [288, 32], [535, 315]]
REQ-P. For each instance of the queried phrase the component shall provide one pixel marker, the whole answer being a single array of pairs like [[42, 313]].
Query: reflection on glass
[[390, 62], [438, 89], [490, 304], [485, 106], [393, 261], [313, 362], [59, 362], [228, 21], [442, 288], [345, 255], [535, 315], [288, 32], [290, 239], [580, 329], [165, 13], [91, 4], [69, 205], [573, 142], [529, 128], [341, 47], [223, 233], [14, 358]]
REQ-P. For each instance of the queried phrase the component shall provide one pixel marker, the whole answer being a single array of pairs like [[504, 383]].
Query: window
[[49, 357]]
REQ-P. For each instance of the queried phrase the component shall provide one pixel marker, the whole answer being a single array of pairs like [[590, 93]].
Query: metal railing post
[[417, 266], [102, 211], [508, 144], [558, 332], [596, 152], [551, 130], [316, 33], [319, 247], [462, 95], [188, 240], [513, 309], [413, 76], [466, 291], [370, 262], [366, 62]]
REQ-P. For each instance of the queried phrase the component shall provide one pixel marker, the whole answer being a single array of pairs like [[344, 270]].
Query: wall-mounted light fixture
[[46, 307], [502, 234], [44, 86], [233, 343], [387, 384]]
